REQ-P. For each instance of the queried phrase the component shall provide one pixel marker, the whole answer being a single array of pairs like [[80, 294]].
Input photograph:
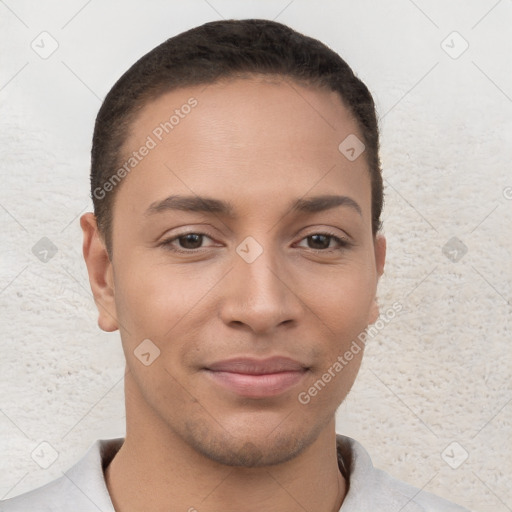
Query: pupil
[[315, 239], [192, 241]]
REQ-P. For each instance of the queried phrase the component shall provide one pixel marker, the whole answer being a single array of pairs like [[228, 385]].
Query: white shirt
[[82, 488]]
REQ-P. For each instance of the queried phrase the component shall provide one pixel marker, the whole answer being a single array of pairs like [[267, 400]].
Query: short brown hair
[[215, 51]]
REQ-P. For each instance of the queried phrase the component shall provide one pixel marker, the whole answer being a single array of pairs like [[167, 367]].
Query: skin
[[259, 144]]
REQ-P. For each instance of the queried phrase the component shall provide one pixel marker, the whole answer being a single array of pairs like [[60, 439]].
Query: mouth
[[256, 378]]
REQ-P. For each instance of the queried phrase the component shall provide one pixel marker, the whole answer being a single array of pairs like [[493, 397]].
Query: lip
[[257, 378]]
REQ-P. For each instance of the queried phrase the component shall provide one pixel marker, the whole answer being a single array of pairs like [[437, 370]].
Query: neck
[[157, 470]]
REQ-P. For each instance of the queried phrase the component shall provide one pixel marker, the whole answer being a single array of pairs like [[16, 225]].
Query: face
[[243, 249]]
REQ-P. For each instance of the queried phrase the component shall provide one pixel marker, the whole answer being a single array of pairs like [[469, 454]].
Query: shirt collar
[[88, 474]]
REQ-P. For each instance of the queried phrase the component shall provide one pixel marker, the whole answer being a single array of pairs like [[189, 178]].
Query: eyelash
[[343, 243]]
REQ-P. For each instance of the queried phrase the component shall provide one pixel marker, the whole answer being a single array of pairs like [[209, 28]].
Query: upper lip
[[253, 366]]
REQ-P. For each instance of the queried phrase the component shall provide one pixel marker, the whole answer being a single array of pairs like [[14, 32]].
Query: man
[[235, 243]]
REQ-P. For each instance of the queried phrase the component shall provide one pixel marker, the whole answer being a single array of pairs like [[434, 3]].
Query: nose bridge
[[259, 294]]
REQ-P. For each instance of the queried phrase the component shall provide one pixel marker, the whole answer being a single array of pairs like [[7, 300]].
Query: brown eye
[[322, 242], [319, 241], [186, 242], [190, 241]]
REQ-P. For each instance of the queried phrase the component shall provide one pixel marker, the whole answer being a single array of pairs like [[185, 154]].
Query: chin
[[250, 450]]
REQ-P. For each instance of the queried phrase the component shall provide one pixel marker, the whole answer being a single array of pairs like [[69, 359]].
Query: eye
[[192, 242], [187, 242], [322, 242]]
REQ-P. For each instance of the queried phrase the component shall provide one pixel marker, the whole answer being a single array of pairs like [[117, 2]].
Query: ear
[[380, 258], [100, 272]]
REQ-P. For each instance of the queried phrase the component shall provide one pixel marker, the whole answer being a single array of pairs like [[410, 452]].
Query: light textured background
[[438, 373]]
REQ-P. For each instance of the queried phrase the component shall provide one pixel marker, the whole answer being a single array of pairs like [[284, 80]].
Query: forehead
[[237, 106], [244, 138]]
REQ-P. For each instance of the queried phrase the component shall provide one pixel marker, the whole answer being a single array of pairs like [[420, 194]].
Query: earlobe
[[380, 254], [99, 268]]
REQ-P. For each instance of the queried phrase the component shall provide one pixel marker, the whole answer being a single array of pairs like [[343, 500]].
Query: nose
[[261, 295]]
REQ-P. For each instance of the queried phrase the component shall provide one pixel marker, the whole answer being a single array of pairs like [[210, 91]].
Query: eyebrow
[[216, 206]]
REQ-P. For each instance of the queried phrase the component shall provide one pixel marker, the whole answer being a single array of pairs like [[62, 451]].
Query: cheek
[[341, 304], [144, 302], [153, 301], [341, 298]]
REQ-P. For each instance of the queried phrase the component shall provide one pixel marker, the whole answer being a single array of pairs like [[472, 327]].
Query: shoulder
[[51, 497], [83, 485], [374, 489]]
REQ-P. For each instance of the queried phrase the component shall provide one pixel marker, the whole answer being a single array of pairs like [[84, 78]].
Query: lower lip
[[257, 386]]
